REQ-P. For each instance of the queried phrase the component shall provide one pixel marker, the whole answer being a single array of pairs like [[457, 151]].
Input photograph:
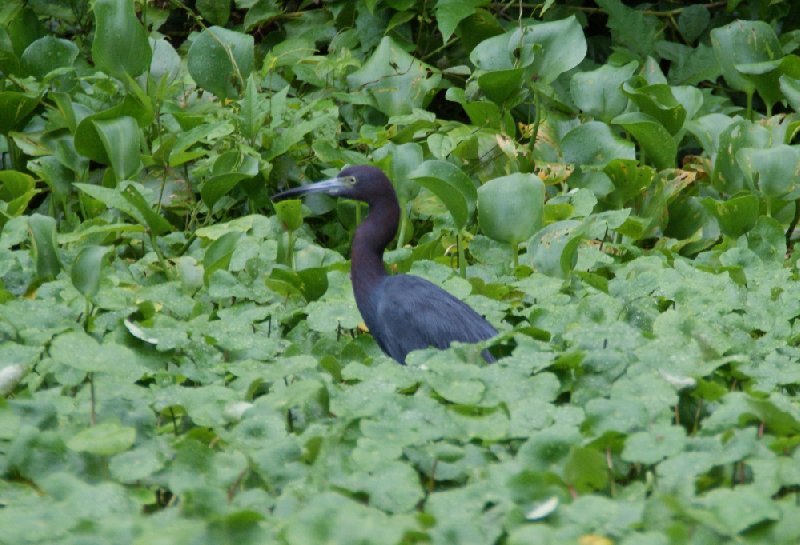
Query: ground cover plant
[[614, 186]]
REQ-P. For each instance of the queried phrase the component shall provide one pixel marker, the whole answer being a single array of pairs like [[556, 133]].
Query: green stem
[[792, 225], [290, 249], [537, 116], [749, 105], [515, 248], [401, 233], [462, 261], [93, 410]]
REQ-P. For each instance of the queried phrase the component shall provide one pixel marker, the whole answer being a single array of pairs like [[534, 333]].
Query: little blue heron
[[402, 312]]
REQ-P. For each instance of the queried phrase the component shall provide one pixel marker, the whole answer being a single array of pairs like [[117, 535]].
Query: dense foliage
[[614, 186]]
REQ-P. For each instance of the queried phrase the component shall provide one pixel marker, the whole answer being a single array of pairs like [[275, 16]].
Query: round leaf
[[103, 439], [220, 60], [554, 250], [46, 54], [451, 185], [510, 207], [775, 171]]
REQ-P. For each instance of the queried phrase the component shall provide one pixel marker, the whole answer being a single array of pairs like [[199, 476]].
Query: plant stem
[[401, 233], [93, 413], [515, 248], [462, 261], [792, 225], [290, 249], [749, 105]]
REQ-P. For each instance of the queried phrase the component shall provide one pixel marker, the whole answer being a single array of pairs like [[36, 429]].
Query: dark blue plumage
[[402, 312]]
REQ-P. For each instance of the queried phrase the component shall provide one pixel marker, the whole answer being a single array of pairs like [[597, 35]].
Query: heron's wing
[[413, 314]]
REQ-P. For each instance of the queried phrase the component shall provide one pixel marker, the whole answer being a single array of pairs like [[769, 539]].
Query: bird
[[402, 312]]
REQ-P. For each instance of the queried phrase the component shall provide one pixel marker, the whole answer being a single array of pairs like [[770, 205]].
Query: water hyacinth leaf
[[80, 351], [218, 254], [594, 143], [554, 250], [15, 108], [120, 138], [449, 13], [220, 60], [656, 142], [216, 12], [560, 46], [229, 169], [727, 176], [501, 85], [742, 45], [120, 47], [104, 439], [399, 160], [396, 81], [16, 191], [774, 171], [510, 208], [43, 247], [47, 54], [448, 182], [290, 212], [598, 92], [87, 269], [657, 101], [166, 61], [155, 222], [629, 178], [736, 216]]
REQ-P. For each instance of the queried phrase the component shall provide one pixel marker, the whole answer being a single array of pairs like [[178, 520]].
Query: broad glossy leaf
[[79, 351], [560, 46], [230, 168], [43, 246], [598, 92], [120, 138], [451, 185], [657, 144], [120, 46], [736, 215], [594, 143], [15, 108], [290, 212], [103, 440], [693, 21], [743, 43], [166, 61], [399, 161], [215, 11], [155, 222], [219, 252], [510, 208], [728, 176], [449, 13], [397, 82], [657, 101], [774, 171], [554, 250], [629, 178], [88, 141], [220, 60], [16, 191], [87, 269], [47, 54]]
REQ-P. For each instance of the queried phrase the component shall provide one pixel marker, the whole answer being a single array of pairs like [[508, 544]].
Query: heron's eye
[[350, 180]]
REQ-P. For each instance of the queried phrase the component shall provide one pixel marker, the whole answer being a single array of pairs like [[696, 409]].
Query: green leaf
[[103, 440], [629, 178], [510, 207], [155, 222], [47, 54], [230, 168], [561, 47], [216, 12], [736, 216], [220, 60], [43, 247], [657, 144], [120, 46], [120, 138], [774, 171], [554, 250], [598, 92], [740, 44], [80, 351], [449, 13], [218, 254], [593, 143], [16, 191], [455, 189], [651, 446], [396, 81], [87, 269], [657, 101], [290, 212], [586, 469], [692, 21], [15, 108]]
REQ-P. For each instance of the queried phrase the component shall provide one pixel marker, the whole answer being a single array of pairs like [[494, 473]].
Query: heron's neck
[[371, 238]]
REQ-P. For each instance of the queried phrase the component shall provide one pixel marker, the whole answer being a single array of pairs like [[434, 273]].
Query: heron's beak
[[332, 187]]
